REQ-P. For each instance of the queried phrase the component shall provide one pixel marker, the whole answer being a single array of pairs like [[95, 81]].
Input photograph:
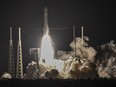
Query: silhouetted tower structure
[[11, 67], [82, 34], [19, 70], [74, 38]]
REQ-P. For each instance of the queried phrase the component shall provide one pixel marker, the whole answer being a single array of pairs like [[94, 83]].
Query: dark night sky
[[97, 17]]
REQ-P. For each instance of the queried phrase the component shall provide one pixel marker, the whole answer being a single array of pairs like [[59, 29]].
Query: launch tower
[[19, 70], [11, 67]]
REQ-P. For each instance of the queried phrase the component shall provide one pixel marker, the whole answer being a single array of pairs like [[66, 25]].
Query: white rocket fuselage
[[45, 28]]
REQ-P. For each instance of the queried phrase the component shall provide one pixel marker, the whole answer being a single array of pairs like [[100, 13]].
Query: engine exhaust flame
[[47, 51], [47, 54]]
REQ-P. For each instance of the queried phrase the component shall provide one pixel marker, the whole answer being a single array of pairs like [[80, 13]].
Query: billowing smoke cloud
[[78, 61], [32, 71], [63, 55], [106, 63], [72, 64], [6, 76], [50, 74], [79, 49], [82, 49]]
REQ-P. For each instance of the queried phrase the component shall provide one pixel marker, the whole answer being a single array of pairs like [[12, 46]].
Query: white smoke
[[32, 71], [106, 64], [79, 49], [63, 55], [6, 76], [52, 73], [68, 65], [78, 61], [82, 49]]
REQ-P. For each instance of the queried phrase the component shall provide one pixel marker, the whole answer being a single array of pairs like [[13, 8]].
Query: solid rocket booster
[[46, 28]]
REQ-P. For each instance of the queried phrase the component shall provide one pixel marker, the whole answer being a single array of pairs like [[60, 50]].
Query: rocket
[[45, 28]]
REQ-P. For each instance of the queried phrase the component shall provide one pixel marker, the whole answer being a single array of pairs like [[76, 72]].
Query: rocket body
[[45, 28]]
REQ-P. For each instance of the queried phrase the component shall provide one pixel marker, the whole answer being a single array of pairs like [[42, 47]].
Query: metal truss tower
[[36, 53], [19, 69], [11, 67]]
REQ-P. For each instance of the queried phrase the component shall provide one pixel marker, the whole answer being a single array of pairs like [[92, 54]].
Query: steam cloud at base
[[6, 76], [73, 64], [106, 63], [83, 61], [32, 71]]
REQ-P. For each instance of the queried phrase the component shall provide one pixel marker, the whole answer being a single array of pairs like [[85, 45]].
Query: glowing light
[[47, 51], [47, 54]]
